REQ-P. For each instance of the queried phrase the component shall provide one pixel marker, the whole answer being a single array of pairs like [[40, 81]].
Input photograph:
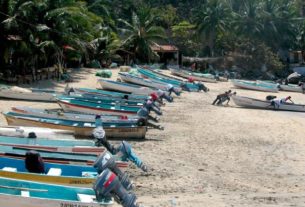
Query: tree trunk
[[3, 38]]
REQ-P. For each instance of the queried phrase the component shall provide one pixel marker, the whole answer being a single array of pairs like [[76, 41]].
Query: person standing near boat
[[276, 103], [285, 100], [302, 85]]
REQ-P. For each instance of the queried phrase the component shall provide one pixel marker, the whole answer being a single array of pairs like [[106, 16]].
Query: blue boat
[[75, 175], [167, 80], [102, 100], [47, 142], [79, 158], [20, 193]]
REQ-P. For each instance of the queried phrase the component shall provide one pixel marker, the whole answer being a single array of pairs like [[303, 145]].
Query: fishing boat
[[73, 116], [79, 158], [31, 94], [22, 131], [195, 76], [53, 145], [88, 92], [125, 87], [255, 86], [102, 100], [291, 88], [72, 175], [94, 108], [15, 193], [83, 129], [129, 78], [47, 142], [264, 104], [177, 83]]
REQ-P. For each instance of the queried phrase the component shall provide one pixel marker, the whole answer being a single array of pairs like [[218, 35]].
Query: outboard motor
[[144, 113], [162, 94], [33, 162], [105, 161], [108, 184], [270, 97], [171, 89], [202, 87], [185, 87], [151, 107]]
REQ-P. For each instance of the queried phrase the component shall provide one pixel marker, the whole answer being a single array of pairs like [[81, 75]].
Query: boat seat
[[85, 198], [89, 174], [25, 193], [87, 124], [9, 169], [54, 172]]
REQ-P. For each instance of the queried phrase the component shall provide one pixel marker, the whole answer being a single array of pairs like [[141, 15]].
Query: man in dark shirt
[[221, 97]]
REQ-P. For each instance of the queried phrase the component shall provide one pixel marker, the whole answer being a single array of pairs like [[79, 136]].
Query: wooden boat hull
[[124, 132], [260, 104], [128, 88], [186, 74], [245, 85]]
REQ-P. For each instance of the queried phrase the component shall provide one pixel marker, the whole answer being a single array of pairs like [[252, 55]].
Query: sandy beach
[[213, 155]]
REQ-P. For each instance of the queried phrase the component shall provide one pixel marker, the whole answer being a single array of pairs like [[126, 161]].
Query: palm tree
[[212, 20], [247, 22], [141, 33]]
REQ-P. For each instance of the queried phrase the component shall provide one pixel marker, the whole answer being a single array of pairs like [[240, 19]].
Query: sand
[[214, 155]]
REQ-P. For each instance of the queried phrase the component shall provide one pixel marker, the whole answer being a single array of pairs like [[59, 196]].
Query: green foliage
[[256, 59], [183, 35], [34, 32], [141, 33]]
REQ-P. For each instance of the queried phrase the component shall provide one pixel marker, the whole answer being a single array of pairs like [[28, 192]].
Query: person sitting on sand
[[221, 97]]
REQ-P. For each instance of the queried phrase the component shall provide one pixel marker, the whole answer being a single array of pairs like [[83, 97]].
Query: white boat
[[125, 87], [252, 85], [72, 116], [19, 93], [129, 78], [196, 77], [264, 104], [22, 131], [292, 88]]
